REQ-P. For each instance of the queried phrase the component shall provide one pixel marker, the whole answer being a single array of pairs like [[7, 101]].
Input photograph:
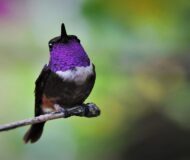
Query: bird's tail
[[34, 133]]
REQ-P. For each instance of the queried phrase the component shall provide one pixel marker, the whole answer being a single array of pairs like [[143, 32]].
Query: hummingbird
[[66, 81]]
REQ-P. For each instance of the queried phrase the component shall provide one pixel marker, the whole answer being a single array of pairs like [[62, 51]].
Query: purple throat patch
[[65, 56]]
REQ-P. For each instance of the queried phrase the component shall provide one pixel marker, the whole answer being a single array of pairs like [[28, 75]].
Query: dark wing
[[40, 84]]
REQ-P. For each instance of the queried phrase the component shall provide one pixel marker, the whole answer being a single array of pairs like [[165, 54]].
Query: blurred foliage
[[141, 52]]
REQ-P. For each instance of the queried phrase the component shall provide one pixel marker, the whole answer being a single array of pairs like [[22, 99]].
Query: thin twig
[[88, 110]]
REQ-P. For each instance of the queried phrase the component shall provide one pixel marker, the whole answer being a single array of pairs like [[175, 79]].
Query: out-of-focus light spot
[[5, 8]]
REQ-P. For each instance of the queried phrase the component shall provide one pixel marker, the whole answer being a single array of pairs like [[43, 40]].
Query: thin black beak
[[64, 35]]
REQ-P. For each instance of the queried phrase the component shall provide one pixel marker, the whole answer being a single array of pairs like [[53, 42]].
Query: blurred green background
[[142, 55]]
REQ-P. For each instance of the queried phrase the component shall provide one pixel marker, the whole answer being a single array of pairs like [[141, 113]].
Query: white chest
[[78, 74]]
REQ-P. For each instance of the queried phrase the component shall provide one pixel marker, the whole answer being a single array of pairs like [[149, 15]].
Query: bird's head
[[63, 39], [66, 52]]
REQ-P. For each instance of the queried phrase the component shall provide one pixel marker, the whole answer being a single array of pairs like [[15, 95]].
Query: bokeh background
[[141, 51]]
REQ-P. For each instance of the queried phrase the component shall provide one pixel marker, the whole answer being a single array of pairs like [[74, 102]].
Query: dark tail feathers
[[34, 133]]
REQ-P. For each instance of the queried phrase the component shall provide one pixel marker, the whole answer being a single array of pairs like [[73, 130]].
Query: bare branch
[[86, 110]]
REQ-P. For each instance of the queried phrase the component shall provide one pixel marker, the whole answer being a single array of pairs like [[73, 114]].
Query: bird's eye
[[50, 44]]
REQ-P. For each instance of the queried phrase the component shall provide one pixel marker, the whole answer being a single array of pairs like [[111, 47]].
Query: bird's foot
[[58, 108], [85, 110]]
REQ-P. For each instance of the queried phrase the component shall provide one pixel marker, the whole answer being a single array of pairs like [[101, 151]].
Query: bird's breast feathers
[[77, 74]]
